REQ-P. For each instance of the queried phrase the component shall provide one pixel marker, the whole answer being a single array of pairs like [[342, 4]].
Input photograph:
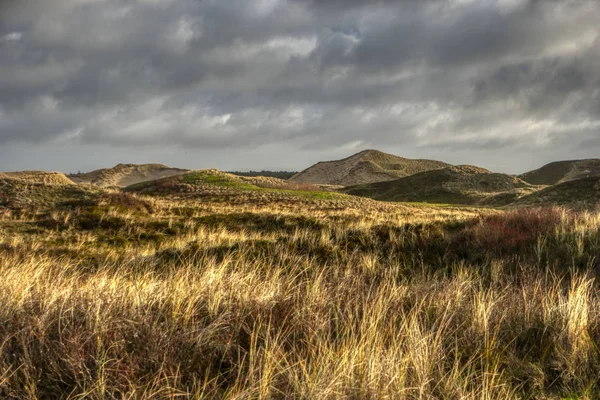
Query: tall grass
[[415, 304]]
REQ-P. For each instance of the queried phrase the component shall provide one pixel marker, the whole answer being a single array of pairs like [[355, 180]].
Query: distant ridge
[[126, 174], [462, 184], [563, 171], [368, 166]]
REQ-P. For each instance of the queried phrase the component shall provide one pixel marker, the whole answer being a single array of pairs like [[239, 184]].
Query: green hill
[[212, 183], [193, 181], [563, 171], [577, 194], [462, 184], [365, 167]]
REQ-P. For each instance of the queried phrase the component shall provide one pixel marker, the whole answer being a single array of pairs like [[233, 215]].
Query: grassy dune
[[563, 171], [365, 167], [132, 297], [461, 184]]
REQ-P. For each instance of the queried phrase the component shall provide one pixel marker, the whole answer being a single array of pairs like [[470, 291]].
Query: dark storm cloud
[[227, 74]]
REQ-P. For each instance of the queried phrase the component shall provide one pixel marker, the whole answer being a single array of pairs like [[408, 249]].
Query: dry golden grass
[[131, 297], [37, 177]]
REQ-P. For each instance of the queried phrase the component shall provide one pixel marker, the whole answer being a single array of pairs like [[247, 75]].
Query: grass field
[[262, 295]]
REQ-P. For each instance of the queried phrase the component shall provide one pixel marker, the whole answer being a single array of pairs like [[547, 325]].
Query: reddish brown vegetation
[[518, 229]]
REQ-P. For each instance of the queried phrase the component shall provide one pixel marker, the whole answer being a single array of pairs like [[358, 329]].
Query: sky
[[508, 85]]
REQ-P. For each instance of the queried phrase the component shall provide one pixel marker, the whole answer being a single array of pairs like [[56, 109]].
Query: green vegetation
[[209, 286], [214, 183], [455, 185], [563, 171], [577, 194], [215, 178], [190, 180]]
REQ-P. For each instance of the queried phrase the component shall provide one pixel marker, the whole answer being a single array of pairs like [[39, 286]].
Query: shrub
[[516, 231]]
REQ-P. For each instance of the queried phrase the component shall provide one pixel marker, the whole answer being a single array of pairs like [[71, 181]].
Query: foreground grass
[[148, 298]]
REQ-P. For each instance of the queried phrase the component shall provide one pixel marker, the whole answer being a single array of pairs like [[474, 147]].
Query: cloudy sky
[[280, 84]]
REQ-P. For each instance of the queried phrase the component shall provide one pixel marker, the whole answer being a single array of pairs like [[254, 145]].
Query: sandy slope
[[127, 174]]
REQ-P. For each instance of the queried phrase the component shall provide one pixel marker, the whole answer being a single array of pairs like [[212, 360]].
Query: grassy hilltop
[[462, 184], [563, 171], [364, 167], [207, 285]]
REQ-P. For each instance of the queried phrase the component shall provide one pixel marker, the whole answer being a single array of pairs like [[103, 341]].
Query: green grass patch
[[204, 177], [209, 178]]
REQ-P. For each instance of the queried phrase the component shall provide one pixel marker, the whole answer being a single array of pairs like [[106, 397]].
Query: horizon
[[507, 85], [77, 171]]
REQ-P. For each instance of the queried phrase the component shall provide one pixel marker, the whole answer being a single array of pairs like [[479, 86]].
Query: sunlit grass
[[152, 298]]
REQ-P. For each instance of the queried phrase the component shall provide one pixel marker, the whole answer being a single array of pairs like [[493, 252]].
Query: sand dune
[[127, 174], [365, 167]]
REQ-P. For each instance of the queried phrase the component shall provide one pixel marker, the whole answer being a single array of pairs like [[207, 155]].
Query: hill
[[579, 194], [49, 178], [215, 184], [462, 184], [33, 192], [126, 174], [365, 167], [192, 181], [563, 171]]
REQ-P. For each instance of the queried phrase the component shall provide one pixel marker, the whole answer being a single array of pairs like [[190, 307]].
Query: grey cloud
[[310, 74], [591, 141], [441, 35], [485, 143]]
